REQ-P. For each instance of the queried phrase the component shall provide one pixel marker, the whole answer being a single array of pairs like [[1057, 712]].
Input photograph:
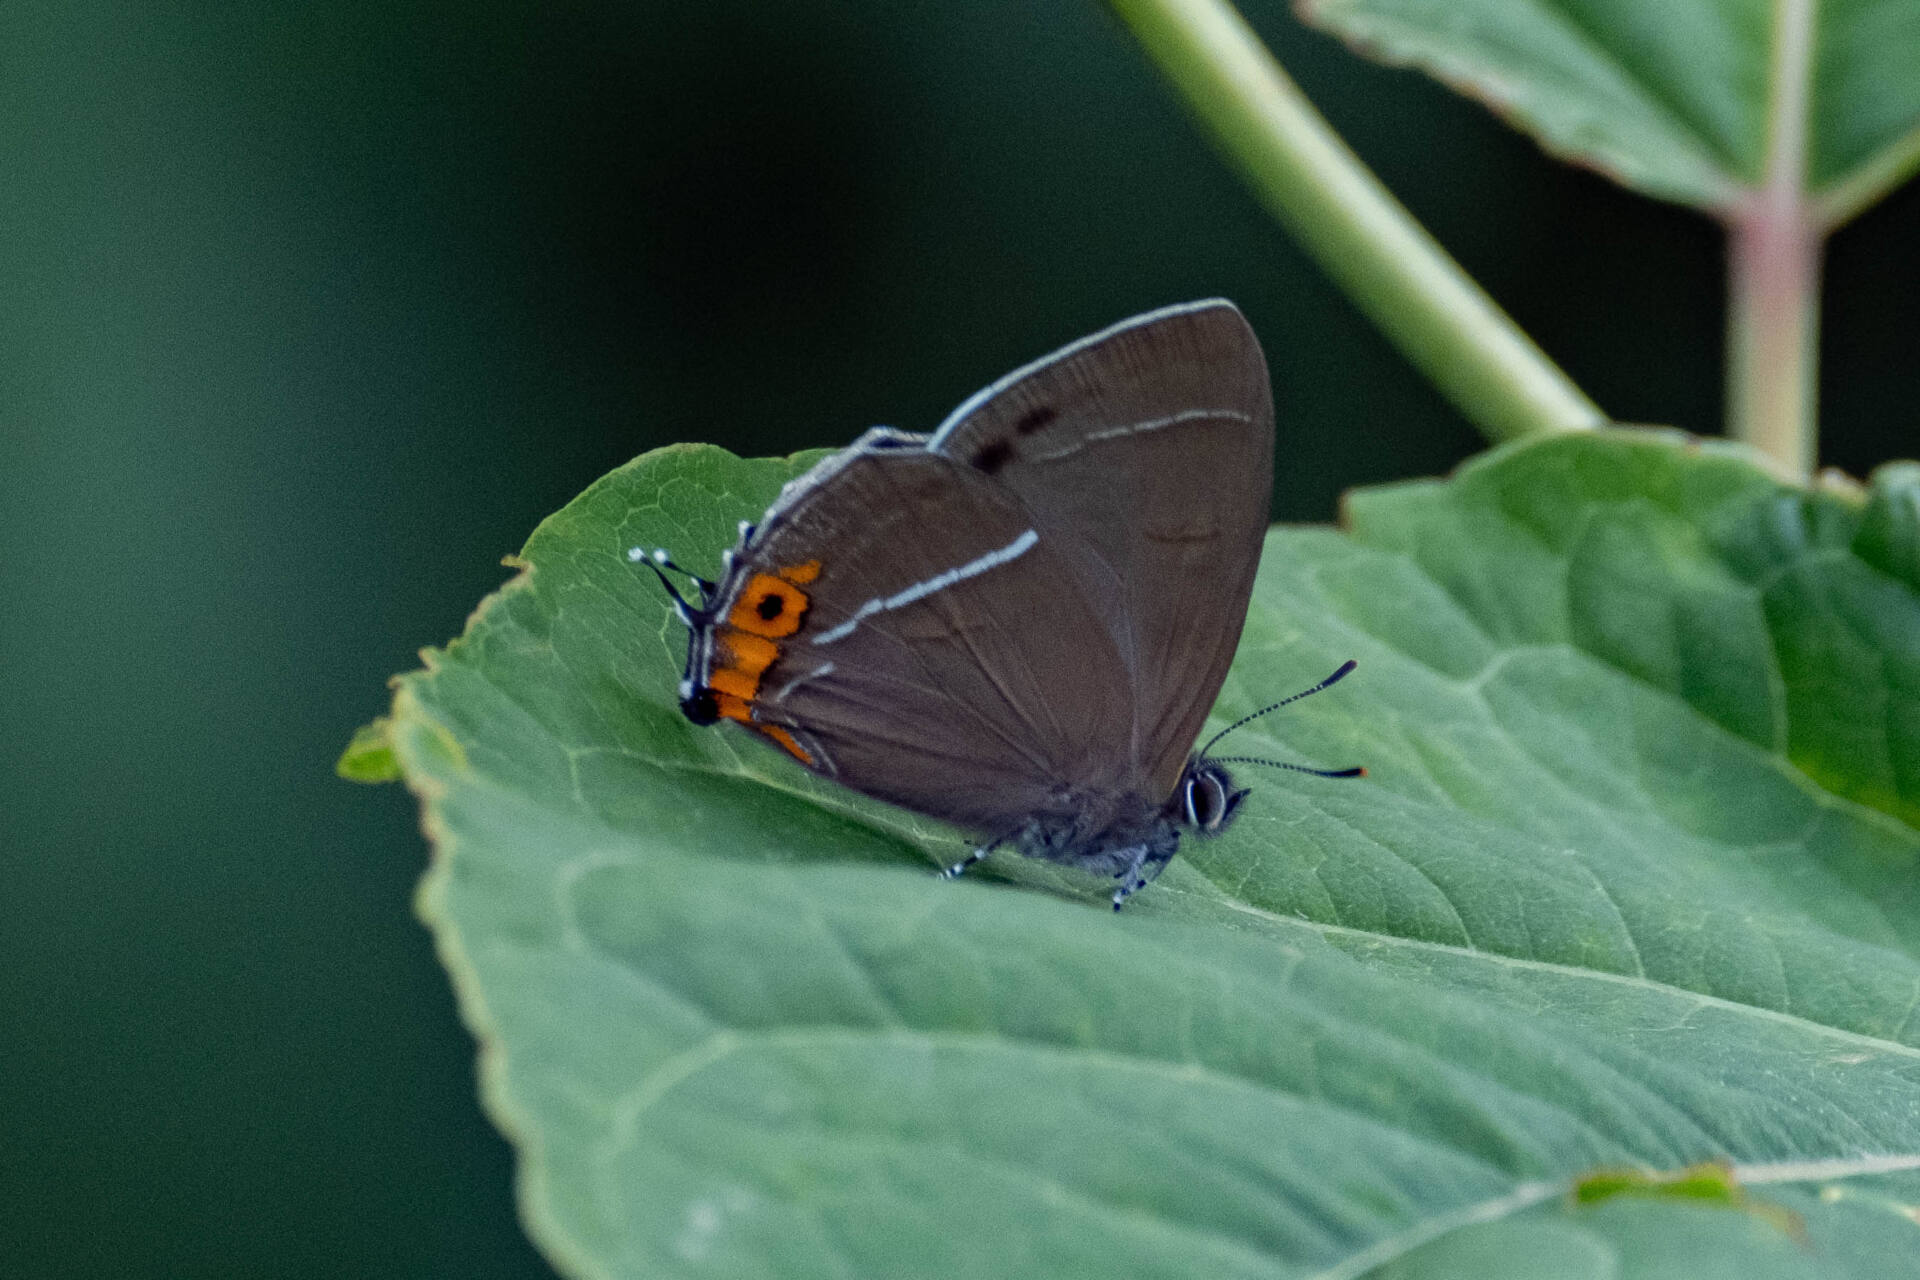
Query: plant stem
[[1360, 235], [1773, 285], [1773, 322]]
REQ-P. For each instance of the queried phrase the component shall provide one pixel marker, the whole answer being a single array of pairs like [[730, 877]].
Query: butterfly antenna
[[1346, 669], [658, 561], [1358, 771]]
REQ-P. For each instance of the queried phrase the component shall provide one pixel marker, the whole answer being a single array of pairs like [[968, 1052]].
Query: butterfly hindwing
[[1149, 447], [941, 655]]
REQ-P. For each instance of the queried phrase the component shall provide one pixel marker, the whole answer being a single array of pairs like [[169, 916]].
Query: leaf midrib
[[1501, 959]]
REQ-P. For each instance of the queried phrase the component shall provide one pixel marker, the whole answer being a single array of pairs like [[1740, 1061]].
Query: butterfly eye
[[1210, 799], [1206, 800]]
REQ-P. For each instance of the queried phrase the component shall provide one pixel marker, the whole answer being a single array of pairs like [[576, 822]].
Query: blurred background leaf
[[308, 313], [1673, 97]]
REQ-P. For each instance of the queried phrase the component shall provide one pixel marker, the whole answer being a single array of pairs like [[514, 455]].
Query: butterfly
[[1018, 623]]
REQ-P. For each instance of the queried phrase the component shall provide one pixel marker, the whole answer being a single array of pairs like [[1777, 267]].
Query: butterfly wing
[[1145, 453], [928, 646]]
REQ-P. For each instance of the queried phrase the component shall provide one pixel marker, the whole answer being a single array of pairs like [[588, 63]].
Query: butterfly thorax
[[1116, 834]]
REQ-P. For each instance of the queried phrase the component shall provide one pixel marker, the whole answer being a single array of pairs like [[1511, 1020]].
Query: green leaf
[[1632, 885], [1675, 97], [369, 756]]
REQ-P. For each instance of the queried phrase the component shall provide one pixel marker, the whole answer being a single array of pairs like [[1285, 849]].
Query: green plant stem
[[1360, 235], [1773, 271]]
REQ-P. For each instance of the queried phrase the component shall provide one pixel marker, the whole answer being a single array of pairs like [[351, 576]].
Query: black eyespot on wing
[[1034, 419], [994, 456], [770, 605], [701, 707]]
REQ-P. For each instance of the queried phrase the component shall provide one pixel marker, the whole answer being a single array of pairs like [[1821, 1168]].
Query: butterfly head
[[697, 701], [1206, 793]]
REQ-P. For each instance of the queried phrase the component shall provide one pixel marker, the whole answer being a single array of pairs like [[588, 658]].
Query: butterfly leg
[[1133, 877], [959, 868], [1148, 861]]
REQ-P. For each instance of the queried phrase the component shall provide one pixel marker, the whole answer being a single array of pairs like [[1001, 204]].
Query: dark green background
[[309, 313]]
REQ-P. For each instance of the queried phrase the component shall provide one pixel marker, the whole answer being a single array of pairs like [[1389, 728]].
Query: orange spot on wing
[[749, 654], [801, 574], [785, 739], [732, 708], [734, 683], [768, 606], [746, 657]]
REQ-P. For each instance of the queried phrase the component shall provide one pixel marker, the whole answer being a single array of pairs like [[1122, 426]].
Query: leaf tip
[[369, 755]]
